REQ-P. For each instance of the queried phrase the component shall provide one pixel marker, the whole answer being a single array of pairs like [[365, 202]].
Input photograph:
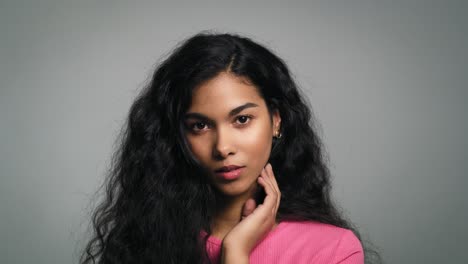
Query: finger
[[268, 178], [248, 208], [273, 193], [266, 171], [270, 198], [269, 169]]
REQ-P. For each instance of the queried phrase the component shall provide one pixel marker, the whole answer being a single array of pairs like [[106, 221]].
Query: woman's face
[[228, 124]]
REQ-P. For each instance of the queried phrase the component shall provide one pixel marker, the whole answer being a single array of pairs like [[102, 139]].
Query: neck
[[229, 211]]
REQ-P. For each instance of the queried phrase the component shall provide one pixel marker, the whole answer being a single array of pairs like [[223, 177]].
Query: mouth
[[230, 172], [228, 168]]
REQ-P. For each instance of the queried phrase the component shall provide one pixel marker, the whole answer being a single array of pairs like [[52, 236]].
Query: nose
[[224, 144]]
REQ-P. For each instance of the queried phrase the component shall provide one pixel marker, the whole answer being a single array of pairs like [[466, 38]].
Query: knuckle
[[265, 218]]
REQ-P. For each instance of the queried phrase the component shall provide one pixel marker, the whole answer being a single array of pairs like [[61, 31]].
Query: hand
[[257, 223]]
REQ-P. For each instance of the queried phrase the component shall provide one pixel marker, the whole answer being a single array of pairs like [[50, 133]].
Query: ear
[[276, 120]]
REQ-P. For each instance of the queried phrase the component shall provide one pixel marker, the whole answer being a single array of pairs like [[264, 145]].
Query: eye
[[197, 126], [243, 119]]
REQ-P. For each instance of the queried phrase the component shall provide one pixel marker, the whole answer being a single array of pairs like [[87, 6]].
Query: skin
[[218, 137]]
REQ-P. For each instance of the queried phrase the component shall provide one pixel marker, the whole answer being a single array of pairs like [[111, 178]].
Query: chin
[[234, 189]]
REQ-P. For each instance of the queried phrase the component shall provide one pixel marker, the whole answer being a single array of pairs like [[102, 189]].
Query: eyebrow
[[233, 112]]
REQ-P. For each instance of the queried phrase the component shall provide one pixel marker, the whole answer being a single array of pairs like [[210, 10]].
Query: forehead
[[223, 93]]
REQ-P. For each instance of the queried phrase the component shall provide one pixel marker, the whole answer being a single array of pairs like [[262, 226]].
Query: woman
[[219, 163]]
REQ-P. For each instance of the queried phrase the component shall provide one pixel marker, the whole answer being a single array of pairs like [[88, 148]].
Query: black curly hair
[[157, 197]]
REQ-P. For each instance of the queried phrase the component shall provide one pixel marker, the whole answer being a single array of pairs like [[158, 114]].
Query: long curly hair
[[157, 196]]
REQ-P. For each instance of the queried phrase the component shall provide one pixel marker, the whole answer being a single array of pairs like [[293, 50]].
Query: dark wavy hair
[[157, 196]]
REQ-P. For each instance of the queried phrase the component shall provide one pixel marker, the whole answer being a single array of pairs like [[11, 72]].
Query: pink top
[[301, 242]]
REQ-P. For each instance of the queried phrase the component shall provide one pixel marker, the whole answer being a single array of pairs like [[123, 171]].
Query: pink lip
[[227, 168], [230, 175]]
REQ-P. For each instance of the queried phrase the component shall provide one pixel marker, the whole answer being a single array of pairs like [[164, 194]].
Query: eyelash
[[193, 125]]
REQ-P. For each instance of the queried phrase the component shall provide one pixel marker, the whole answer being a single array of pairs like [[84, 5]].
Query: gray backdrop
[[386, 79]]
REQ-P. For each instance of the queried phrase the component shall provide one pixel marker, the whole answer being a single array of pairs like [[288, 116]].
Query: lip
[[231, 172], [228, 168]]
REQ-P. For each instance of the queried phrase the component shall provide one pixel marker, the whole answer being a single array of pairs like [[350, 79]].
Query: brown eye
[[243, 119], [198, 126]]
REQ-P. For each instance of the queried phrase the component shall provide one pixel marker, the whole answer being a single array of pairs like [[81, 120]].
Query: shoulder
[[323, 232], [322, 241]]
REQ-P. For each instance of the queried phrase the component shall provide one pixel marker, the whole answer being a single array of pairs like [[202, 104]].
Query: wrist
[[233, 255]]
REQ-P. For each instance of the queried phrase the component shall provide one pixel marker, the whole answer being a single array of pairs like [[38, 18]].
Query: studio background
[[387, 81]]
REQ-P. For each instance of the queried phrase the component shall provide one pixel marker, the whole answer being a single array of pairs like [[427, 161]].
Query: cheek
[[198, 148], [257, 144]]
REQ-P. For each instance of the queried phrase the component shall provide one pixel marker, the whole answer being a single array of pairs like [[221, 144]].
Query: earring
[[278, 134]]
